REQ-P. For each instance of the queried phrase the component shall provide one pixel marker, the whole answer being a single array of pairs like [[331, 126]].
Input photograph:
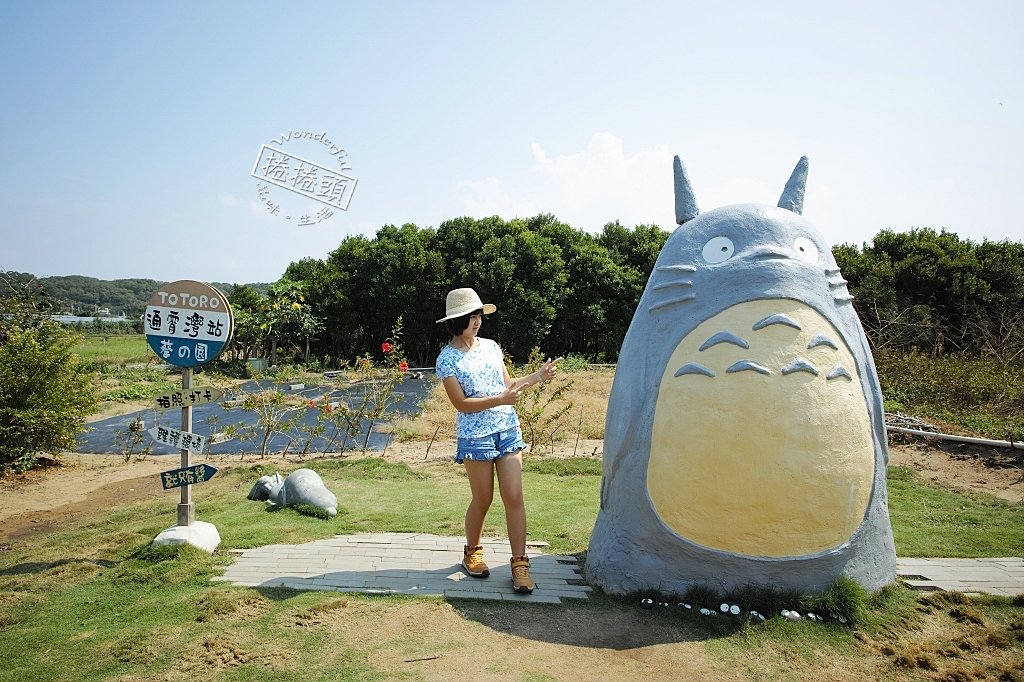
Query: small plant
[[573, 363], [127, 441], [542, 408], [316, 430], [273, 416]]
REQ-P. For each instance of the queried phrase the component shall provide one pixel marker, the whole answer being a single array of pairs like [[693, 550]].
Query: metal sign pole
[[186, 509]]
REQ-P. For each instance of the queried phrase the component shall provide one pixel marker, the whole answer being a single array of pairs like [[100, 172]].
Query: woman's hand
[[511, 395], [549, 369]]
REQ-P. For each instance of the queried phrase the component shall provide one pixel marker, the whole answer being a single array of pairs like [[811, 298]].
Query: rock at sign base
[[200, 534]]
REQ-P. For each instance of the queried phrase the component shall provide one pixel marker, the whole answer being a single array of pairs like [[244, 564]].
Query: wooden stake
[[432, 440], [186, 508]]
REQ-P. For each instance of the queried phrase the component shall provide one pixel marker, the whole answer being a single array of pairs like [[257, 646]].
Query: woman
[[473, 372]]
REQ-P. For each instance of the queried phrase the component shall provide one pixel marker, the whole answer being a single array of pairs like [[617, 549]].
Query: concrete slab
[[1001, 576], [402, 563]]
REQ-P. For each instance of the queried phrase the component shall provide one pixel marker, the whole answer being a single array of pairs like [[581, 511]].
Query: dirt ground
[[430, 640]]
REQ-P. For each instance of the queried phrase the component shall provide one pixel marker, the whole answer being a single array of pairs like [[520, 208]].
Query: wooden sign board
[[187, 397], [182, 440], [187, 476]]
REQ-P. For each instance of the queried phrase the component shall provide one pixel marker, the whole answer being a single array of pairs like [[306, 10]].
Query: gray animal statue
[[303, 486], [745, 439]]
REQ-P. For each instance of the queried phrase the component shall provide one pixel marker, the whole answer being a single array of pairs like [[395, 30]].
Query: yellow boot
[[473, 561], [521, 581]]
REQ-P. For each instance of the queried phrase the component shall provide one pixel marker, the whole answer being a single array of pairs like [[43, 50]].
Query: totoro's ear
[[792, 198], [686, 203]]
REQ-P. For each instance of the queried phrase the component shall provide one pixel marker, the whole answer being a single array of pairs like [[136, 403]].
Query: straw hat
[[462, 302]]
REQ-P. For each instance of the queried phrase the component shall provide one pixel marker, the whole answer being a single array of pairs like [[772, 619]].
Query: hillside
[[85, 295]]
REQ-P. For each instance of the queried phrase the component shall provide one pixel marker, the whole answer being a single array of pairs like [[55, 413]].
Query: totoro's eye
[[805, 249], [718, 249]]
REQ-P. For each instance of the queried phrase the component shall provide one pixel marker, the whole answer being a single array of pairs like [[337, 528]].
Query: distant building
[[74, 319]]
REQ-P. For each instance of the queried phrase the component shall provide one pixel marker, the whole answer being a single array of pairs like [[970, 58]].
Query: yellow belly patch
[[767, 465]]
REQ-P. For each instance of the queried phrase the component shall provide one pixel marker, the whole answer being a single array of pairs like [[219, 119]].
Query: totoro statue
[[745, 439], [302, 486]]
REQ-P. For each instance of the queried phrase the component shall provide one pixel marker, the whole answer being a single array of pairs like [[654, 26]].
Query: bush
[[45, 393], [45, 389], [983, 395]]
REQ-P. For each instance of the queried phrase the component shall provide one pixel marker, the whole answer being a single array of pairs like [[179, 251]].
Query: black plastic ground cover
[[100, 438]]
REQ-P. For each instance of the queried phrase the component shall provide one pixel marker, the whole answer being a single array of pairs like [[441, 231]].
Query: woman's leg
[[510, 485], [481, 484]]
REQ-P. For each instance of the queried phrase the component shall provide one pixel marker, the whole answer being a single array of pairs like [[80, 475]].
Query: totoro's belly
[[773, 455]]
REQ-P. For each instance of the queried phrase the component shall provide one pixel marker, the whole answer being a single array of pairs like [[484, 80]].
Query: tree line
[[936, 293], [555, 286], [572, 292]]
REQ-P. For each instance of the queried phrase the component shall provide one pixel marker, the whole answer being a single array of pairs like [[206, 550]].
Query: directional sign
[[183, 440], [187, 476], [189, 396], [188, 323]]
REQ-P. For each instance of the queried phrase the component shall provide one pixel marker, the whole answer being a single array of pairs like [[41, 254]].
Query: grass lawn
[[126, 349], [933, 521], [96, 602]]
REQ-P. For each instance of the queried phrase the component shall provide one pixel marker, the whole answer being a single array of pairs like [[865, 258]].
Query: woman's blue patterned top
[[479, 373]]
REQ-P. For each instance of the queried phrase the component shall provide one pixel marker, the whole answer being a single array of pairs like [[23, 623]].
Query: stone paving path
[[1003, 576], [403, 563], [419, 563]]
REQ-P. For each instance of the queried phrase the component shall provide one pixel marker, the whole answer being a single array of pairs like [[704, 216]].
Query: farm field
[[125, 349]]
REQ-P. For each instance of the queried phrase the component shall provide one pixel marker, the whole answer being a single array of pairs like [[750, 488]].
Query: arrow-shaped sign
[[183, 440], [188, 397], [187, 476]]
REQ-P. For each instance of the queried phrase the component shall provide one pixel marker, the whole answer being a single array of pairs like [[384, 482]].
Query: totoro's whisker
[[800, 365], [694, 368], [831, 271], [820, 339], [843, 298], [676, 268], [777, 318], [743, 365], [724, 337], [837, 284], [669, 285], [673, 301], [838, 371]]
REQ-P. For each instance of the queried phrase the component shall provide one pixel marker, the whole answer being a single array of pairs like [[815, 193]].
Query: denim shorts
[[490, 447]]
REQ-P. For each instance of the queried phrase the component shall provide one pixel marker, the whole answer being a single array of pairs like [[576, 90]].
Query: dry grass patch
[[588, 394]]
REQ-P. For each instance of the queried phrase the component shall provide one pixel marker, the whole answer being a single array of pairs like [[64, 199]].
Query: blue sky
[[129, 130]]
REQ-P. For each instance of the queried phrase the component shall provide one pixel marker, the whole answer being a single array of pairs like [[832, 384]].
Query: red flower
[[329, 408], [403, 365], [311, 404], [386, 347]]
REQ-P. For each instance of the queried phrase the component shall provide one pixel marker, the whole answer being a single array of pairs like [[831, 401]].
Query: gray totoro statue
[[744, 440], [302, 486]]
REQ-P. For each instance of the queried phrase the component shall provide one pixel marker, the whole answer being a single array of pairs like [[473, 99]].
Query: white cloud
[[586, 189]]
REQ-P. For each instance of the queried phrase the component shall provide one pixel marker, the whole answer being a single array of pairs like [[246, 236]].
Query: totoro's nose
[[768, 252]]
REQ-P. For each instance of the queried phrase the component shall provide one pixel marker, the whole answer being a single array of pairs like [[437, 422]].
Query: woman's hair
[[457, 325]]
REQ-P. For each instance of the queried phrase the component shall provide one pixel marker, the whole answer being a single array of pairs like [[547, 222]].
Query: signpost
[[187, 324], [197, 396], [192, 442], [188, 476]]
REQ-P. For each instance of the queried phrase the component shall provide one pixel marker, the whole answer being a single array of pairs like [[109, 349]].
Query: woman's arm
[[469, 405], [546, 372]]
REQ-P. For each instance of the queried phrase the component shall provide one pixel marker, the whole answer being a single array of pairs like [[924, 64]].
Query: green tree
[[938, 293], [45, 389]]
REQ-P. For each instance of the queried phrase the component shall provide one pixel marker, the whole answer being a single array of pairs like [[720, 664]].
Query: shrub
[[45, 393]]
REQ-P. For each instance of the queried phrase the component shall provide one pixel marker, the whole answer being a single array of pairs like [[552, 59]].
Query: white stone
[[200, 534]]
